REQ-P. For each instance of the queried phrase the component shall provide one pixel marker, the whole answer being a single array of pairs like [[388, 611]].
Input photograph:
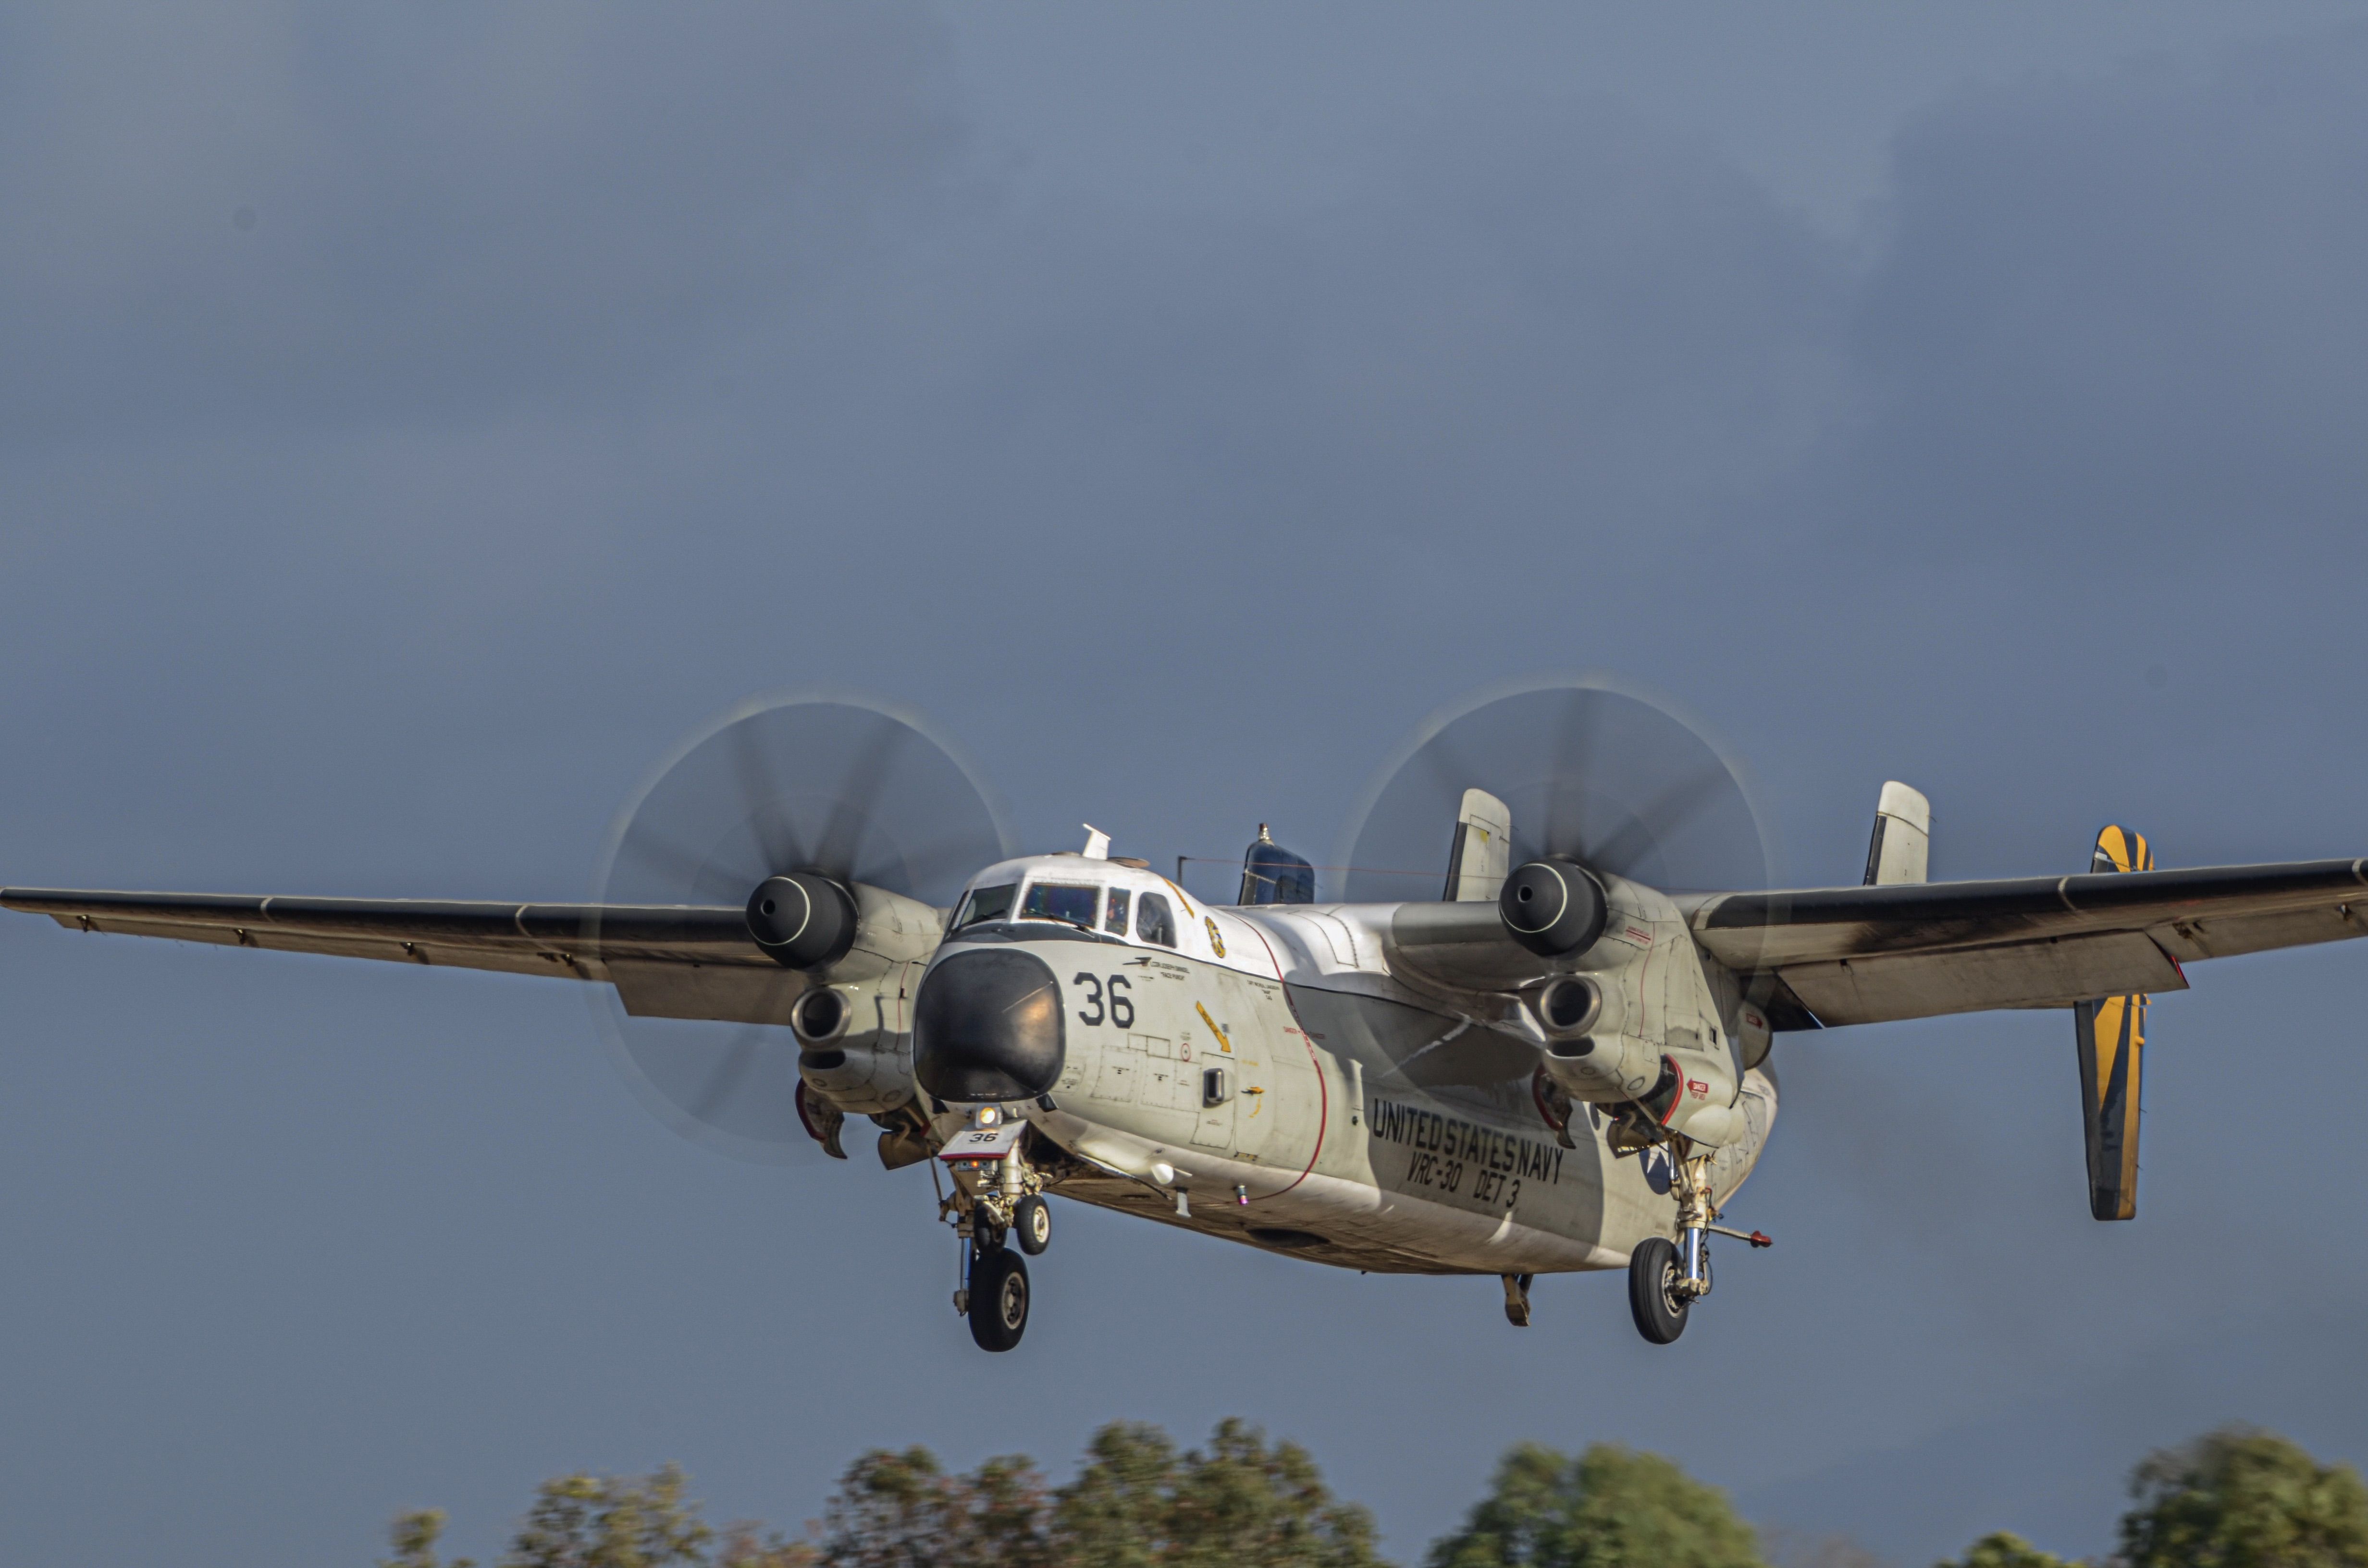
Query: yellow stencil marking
[[1224, 1042], [1179, 896]]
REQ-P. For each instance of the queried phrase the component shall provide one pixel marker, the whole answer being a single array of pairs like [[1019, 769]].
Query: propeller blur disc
[[1589, 769], [855, 789]]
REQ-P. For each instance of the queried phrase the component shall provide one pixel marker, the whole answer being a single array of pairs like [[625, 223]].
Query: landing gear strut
[[997, 1200], [1666, 1278]]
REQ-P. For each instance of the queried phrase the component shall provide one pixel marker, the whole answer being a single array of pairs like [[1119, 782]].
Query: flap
[[2021, 975]]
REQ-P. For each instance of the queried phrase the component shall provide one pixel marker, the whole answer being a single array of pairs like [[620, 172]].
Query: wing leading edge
[[675, 961], [1872, 954]]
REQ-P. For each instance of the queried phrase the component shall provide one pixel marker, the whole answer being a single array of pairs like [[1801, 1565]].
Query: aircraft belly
[[1364, 1132], [1352, 1225]]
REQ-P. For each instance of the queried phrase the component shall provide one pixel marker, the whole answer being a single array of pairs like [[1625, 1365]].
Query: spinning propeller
[[834, 786], [1590, 772]]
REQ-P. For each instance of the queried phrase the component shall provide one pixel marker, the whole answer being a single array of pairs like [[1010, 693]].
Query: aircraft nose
[[988, 1026]]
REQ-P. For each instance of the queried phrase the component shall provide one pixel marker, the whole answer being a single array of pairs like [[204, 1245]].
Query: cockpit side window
[[1057, 900], [1115, 919], [986, 903], [1152, 921]]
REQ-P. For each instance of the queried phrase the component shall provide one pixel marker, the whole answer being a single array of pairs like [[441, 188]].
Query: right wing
[[1871, 954], [667, 962]]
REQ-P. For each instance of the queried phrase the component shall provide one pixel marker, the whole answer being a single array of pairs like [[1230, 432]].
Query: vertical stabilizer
[[1483, 852], [2111, 1033], [1903, 835]]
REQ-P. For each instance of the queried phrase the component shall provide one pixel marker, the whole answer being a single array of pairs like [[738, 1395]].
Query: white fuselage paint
[[1364, 1119]]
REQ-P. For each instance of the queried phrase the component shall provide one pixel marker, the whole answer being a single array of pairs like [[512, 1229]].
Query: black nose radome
[[988, 1026]]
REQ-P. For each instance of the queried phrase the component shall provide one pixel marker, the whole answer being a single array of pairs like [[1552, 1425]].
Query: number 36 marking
[[1121, 1000]]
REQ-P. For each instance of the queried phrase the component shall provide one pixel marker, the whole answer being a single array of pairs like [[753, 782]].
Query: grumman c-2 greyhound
[[1531, 1034]]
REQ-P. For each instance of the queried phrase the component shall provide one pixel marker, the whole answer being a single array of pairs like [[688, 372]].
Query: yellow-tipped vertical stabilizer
[[2111, 1036]]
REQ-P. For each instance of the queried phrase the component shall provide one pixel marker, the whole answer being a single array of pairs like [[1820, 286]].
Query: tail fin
[[1903, 833], [2112, 1037], [1482, 853]]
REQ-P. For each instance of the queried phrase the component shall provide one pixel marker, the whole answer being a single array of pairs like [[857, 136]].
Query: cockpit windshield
[[1057, 900], [986, 903]]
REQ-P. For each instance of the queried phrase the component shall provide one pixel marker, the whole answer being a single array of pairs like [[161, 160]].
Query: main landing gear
[[998, 1204], [1666, 1278]]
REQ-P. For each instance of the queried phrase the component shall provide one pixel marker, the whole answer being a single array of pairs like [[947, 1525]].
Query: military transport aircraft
[[1527, 1031]]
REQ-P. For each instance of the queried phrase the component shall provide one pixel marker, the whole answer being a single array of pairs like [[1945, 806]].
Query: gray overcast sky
[[411, 421]]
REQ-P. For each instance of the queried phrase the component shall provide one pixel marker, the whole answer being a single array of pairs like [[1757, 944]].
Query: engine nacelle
[[803, 920], [862, 948], [851, 1049], [1604, 1068], [1554, 907]]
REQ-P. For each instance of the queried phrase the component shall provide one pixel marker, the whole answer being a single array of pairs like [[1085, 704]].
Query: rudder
[[2111, 1033]]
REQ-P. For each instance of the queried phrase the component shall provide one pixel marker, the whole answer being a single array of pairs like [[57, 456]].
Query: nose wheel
[[1031, 1224], [998, 1209], [998, 1300]]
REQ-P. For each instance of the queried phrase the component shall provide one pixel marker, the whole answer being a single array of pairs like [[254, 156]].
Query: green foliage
[[1136, 1503], [1609, 1508], [750, 1546], [413, 1536], [582, 1521], [2242, 1498], [2234, 1498], [2002, 1549], [902, 1511]]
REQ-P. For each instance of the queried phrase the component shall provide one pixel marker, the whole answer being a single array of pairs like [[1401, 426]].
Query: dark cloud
[[579, 374], [2127, 318], [302, 216]]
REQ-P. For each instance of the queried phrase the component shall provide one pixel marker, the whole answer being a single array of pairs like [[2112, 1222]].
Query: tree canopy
[[2243, 1498], [1610, 1507], [2234, 1498]]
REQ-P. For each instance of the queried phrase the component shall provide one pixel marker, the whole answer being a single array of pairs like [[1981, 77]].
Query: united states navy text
[[1443, 1150]]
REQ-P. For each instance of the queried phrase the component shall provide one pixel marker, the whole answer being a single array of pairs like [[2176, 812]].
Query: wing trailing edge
[[1830, 956]]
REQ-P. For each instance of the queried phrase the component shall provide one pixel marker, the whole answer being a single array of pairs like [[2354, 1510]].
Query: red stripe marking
[[1323, 1090]]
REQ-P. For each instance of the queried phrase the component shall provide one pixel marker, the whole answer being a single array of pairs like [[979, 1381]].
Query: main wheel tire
[[998, 1300], [1653, 1271], [1031, 1225]]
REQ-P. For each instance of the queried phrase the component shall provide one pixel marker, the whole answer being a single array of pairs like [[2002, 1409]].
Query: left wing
[[670, 960], [1871, 954]]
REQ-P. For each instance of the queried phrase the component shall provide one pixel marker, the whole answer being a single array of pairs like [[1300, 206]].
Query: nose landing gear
[[997, 1200], [998, 1298], [1031, 1224]]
